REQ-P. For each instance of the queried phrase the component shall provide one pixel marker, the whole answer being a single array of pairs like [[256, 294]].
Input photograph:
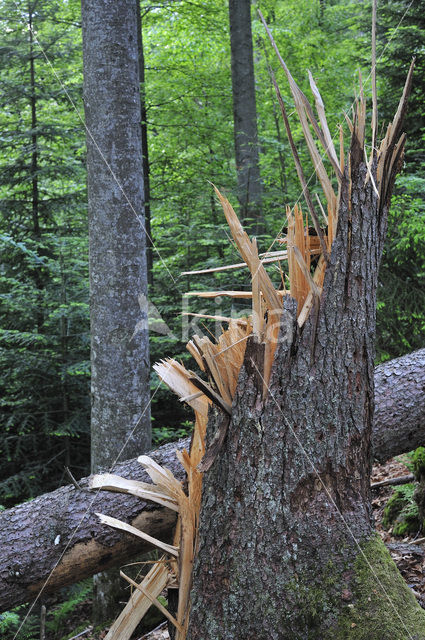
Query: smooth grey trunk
[[145, 149], [120, 419], [245, 116]]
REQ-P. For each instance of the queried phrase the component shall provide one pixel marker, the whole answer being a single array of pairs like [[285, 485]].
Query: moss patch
[[362, 600], [418, 460], [314, 602], [402, 511], [383, 607]]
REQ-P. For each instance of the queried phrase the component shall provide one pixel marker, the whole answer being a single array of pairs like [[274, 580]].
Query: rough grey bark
[[120, 419], [286, 531], [399, 419], [120, 351], [245, 115], [28, 531], [60, 532]]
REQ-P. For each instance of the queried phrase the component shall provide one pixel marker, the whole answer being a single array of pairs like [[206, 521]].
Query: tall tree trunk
[[245, 115], [64, 329], [34, 168], [145, 147], [287, 548], [34, 145], [120, 420]]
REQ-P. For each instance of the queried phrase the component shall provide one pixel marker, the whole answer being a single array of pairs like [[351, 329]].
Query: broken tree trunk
[[28, 532], [289, 403], [286, 537], [287, 548]]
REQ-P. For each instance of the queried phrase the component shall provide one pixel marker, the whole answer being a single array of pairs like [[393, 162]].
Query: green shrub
[[57, 615]]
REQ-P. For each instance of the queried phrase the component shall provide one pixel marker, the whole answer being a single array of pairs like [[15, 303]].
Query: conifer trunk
[[145, 147], [120, 417], [245, 115], [287, 548]]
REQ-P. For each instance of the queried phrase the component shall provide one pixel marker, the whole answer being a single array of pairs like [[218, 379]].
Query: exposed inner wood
[[250, 346], [29, 555]]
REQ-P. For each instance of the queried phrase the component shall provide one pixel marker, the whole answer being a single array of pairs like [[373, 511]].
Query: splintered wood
[[307, 252], [220, 361]]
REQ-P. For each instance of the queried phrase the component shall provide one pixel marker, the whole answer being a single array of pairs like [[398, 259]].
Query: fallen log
[[393, 482], [399, 423], [56, 539]]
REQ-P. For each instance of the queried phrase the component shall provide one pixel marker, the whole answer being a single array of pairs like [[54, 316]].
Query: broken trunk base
[[252, 346]]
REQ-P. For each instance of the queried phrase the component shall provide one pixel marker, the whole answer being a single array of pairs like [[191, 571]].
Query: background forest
[[187, 116]]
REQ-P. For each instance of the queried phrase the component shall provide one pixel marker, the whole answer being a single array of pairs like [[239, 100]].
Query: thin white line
[[332, 500], [232, 345], [93, 140], [86, 512]]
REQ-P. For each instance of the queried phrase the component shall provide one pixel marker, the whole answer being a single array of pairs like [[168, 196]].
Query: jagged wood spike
[[138, 605], [153, 599], [123, 526], [301, 100], [143, 490], [299, 169], [320, 108]]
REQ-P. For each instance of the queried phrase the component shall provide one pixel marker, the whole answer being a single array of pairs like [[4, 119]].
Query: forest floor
[[408, 553]]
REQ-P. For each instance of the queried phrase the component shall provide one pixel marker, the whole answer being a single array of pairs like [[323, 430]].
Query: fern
[[58, 615], [10, 623], [402, 511]]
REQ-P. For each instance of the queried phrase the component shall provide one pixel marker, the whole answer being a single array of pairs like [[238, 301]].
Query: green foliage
[[163, 434], [401, 32], [44, 339], [59, 614], [57, 618], [401, 291], [419, 461], [402, 511], [10, 624], [44, 331], [9, 621]]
